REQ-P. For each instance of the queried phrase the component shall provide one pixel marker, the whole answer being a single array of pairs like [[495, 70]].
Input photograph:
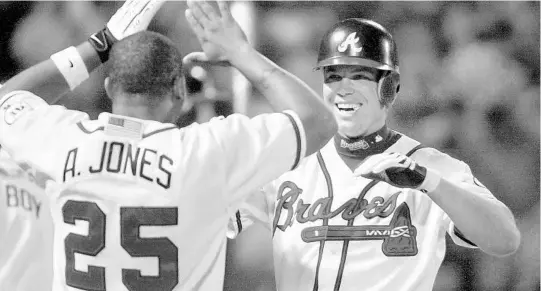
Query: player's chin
[[349, 128]]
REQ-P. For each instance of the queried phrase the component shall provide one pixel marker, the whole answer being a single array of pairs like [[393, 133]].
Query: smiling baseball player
[[370, 211]]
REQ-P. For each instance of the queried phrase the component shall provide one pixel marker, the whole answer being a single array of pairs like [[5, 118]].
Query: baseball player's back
[[26, 230], [142, 205]]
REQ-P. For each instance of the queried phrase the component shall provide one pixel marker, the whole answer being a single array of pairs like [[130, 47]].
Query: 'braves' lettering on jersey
[[289, 192], [129, 193], [335, 231]]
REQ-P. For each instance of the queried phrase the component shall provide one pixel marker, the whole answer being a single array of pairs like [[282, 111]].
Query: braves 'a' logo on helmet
[[351, 40]]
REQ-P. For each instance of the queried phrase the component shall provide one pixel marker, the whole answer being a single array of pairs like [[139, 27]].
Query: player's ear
[[106, 85], [179, 88]]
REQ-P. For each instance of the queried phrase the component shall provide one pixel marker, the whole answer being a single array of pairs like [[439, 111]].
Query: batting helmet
[[362, 42]]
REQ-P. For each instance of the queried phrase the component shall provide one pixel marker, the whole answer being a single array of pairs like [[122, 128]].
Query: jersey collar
[[364, 146]]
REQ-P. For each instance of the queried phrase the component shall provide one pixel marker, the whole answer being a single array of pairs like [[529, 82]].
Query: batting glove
[[134, 16], [399, 171]]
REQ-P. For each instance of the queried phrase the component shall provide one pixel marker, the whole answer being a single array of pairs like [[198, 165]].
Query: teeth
[[348, 106]]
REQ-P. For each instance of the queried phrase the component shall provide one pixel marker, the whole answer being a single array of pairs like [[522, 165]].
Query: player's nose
[[345, 87], [345, 92]]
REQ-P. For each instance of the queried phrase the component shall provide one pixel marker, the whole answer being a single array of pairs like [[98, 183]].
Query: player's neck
[[361, 147], [140, 112], [353, 151]]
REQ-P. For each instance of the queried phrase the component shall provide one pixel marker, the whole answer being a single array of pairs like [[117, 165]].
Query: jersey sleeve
[[255, 209], [460, 173], [30, 129], [467, 180], [257, 150]]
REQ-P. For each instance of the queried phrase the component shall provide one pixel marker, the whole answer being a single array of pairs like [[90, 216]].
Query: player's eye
[[363, 76], [332, 78]]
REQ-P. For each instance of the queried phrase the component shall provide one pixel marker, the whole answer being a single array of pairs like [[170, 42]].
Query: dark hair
[[145, 63]]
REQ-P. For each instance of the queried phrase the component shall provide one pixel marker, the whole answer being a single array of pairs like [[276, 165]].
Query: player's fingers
[[411, 164], [134, 8], [201, 58], [224, 9], [369, 164], [153, 6], [198, 13], [404, 161], [394, 155], [209, 10], [374, 176], [389, 162], [143, 15], [121, 14], [379, 163], [194, 57], [195, 25], [124, 10]]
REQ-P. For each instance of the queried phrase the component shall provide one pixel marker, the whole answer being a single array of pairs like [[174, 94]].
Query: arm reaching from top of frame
[[222, 39], [72, 66], [28, 125]]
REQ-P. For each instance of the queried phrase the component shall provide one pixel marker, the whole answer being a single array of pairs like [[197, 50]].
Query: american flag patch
[[116, 121], [123, 127]]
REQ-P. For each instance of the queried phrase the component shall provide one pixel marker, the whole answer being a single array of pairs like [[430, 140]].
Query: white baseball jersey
[[334, 231], [26, 230], [142, 205]]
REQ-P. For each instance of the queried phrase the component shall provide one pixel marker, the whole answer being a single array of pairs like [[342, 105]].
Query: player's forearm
[[485, 221], [39, 78], [285, 91]]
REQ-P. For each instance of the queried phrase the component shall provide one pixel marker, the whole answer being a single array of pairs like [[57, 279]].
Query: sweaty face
[[352, 91]]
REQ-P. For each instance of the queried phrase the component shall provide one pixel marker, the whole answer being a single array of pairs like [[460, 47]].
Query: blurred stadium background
[[469, 87]]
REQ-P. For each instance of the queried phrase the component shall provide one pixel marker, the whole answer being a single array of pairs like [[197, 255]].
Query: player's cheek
[[368, 89]]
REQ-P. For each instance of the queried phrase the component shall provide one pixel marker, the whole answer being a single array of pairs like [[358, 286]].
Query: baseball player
[[26, 229], [138, 204], [370, 210]]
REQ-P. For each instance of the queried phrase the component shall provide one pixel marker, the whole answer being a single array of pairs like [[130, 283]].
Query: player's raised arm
[[28, 125], [73, 65], [221, 37]]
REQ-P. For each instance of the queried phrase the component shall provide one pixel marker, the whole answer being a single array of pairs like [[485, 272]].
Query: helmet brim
[[354, 61]]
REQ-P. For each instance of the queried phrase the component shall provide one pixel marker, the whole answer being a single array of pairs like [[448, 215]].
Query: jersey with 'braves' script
[[334, 231], [26, 229], [143, 205]]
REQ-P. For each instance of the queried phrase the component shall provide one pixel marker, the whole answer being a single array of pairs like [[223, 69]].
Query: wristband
[[71, 65], [102, 41], [431, 182]]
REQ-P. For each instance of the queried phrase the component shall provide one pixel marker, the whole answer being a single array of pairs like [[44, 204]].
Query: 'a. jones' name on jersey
[[125, 159]]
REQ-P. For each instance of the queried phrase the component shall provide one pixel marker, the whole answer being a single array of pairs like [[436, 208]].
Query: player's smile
[[347, 109], [348, 105]]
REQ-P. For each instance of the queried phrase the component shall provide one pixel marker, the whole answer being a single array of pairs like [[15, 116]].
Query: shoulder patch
[[15, 105], [13, 111]]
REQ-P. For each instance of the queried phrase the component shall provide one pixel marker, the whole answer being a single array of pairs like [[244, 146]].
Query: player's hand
[[399, 171], [219, 34], [201, 57], [134, 16]]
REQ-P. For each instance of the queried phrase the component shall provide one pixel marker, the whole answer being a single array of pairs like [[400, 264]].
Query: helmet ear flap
[[388, 87]]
